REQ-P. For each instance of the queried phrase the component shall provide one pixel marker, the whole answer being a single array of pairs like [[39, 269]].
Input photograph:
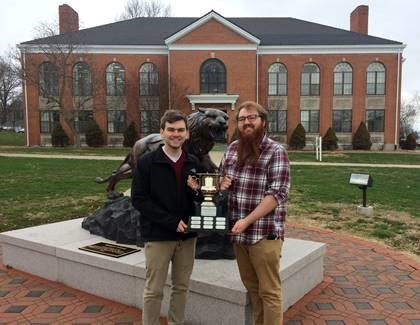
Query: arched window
[[48, 80], [343, 79], [115, 79], [375, 80], [82, 80], [212, 77], [149, 80], [149, 99], [309, 81], [277, 80]]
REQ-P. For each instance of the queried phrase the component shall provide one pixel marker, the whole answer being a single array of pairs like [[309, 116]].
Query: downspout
[[257, 75], [169, 79], [26, 98], [397, 101]]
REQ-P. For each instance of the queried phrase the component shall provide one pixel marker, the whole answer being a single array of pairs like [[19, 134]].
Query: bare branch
[[144, 8]]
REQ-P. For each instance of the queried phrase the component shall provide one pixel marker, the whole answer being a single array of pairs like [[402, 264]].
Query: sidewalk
[[216, 157], [365, 283]]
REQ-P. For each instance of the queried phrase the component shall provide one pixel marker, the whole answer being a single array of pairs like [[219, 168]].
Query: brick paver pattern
[[365, 283]]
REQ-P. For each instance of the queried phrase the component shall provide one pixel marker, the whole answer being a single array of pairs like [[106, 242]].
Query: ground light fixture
[[362, 181]]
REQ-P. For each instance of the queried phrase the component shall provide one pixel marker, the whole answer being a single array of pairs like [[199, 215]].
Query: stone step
[[217, 295]]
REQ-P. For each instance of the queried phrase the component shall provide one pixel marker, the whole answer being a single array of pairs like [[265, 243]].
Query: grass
[[37, 191], [8, 138], [322, 196]]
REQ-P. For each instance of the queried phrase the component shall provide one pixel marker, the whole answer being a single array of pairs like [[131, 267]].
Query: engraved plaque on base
[[209, 215]]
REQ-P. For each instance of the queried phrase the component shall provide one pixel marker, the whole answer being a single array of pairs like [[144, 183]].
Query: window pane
[[371, 77], [314, 90], [304, 89], [315, 78], [305, 78], [347, 89], [282, 121], [380, 89], [338, 77], [282, 90], [272, 90], [370, 89], [338, 89]]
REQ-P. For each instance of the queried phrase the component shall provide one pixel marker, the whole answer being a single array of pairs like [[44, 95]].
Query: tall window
[[343, 79], [375, 80], [116, 121], [212, 77], [310, 120], [82, 80], [115, 79], [375, 120], [150, 121], [149, 99], [149, 80], [83, 119], [277, 80], [309, 81], [277, 121], [48, 120], [342, 120], [48, 80]]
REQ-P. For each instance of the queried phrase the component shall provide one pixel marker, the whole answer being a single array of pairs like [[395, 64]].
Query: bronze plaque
[[109, 249]]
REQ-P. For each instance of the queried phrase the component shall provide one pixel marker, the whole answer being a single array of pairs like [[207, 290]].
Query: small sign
[[109, 249]]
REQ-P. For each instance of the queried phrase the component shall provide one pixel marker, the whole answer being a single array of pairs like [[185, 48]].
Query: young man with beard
[[165, 201], [257, 178]]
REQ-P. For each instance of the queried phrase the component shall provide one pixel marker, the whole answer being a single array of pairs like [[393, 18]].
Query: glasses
[[250, 118]]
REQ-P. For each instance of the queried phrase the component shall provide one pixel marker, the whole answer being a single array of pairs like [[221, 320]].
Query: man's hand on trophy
[[224, 183], [193, 183], [182, 226]]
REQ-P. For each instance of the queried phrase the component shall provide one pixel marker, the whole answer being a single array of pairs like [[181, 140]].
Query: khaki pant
[[158, 256], [259, 267]]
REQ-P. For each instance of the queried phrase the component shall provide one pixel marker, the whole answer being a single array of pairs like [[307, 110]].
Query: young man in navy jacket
[[163, 191]]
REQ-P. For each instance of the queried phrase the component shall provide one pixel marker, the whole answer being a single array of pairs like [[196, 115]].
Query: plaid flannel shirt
[[270, 175]]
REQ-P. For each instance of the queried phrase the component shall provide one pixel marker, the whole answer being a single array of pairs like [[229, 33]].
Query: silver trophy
[[209, 216]]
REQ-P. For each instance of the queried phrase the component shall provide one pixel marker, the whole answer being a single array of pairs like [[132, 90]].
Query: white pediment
[[201, 21]]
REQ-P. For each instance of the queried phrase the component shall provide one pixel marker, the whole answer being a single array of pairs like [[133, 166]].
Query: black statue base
[[118, 220]]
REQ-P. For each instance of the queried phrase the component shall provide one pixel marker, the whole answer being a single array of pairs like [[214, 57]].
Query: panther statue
[[118, 220], [206, 126]]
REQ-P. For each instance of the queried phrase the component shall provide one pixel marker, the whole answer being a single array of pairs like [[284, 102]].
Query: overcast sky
[[392, 19]]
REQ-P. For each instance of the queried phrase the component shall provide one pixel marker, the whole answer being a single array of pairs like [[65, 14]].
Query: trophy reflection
[[210, 215]]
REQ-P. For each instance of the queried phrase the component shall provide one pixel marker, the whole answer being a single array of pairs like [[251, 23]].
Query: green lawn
[[8, 138], [36, 191]]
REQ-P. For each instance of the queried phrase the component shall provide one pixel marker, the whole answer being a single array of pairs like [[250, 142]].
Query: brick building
[[134, 70]]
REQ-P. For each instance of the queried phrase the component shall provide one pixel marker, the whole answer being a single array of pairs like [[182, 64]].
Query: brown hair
[[172, 116], [262, 112]]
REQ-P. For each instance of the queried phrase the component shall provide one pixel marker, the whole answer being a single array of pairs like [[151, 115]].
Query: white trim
[[213, 99], [26, 99], [205, 19], [397, 100], [212, 47], [330, 49], [275, 49], [100, 49]]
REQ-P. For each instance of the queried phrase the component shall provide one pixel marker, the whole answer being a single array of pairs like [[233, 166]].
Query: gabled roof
[[201, 21], [269, 31]]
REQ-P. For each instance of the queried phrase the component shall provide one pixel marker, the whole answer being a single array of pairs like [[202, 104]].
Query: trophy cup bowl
[[209, 215]]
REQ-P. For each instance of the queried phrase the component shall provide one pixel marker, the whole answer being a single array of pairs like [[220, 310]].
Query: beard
[[249, 146]]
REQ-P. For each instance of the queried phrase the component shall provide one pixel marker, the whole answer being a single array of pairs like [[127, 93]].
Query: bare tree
[[10, 86], [410, 109], [145, 8], [63, 53]]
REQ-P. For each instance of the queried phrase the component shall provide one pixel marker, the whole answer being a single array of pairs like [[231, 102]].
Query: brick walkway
[[365, 283]]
